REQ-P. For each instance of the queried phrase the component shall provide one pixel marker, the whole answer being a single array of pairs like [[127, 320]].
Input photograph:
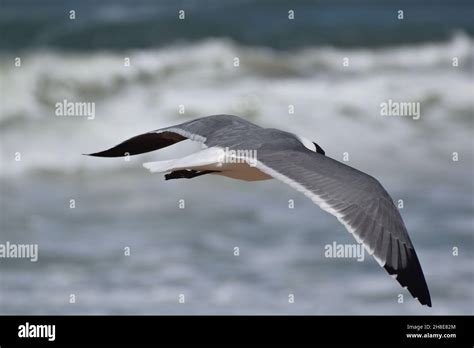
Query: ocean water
[[190, 251]]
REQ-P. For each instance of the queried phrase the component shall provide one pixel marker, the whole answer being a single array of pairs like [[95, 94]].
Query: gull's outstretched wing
[[359, 202], [208, 130]]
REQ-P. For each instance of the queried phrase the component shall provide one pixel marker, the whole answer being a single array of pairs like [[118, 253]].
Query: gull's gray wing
[[224, 130], [359, 202]]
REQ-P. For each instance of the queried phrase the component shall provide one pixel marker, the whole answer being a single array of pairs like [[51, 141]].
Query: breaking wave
[[338, 106]]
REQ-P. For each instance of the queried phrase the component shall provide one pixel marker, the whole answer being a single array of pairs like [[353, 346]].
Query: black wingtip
[[106, 153], [141, 144], [319, 149], [116, 151], [96, 154], [413, 279], [425, 301], [428, 299]]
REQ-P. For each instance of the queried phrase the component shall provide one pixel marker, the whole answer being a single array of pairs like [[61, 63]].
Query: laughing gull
[[239, 149]]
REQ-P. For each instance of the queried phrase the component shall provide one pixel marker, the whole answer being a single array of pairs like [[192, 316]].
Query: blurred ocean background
[[190, 251]]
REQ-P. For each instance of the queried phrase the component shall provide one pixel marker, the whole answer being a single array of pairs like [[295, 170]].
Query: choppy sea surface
[[190, 251]]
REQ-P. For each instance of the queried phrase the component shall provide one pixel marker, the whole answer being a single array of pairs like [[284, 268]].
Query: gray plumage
[[358, 200]]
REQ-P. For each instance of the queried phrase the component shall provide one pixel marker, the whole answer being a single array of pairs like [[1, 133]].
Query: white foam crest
[[338, 109]]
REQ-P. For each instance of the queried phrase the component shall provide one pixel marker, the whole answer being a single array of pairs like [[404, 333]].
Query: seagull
[[238, 149]]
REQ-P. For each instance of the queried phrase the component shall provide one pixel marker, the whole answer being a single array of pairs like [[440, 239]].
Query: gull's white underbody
[[215, 159], [219, 160]]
